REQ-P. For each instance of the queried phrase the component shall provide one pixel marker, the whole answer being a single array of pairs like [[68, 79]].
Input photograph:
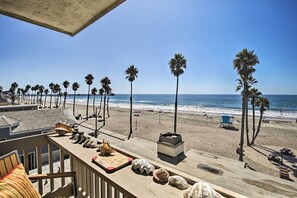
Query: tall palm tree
[[244, 63], [32, 93], [177, 65], [131, 73], [89, 80], [45, 92], [101, 92], [23, 95], [105, 82], [65, 84], [41, 89], [36, 93], [240, 86], [109, 92], [263, 103], [51, 86], [254, 94], [12, 90], [19, 94], [57, 90], [94, 91], [75, 87], [27, 89]]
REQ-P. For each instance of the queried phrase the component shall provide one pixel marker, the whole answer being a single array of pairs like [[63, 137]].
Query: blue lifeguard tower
[[226, 120]]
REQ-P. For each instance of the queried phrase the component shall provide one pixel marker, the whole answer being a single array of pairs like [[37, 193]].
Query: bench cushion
[[17, 184]]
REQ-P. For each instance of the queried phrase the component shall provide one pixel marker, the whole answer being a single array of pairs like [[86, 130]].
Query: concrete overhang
[[66, 16]]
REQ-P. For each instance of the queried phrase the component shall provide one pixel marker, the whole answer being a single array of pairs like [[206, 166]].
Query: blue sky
[[147, 34]]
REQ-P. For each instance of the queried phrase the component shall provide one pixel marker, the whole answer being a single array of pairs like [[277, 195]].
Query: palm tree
[[89, 80], [94, 91], [41, 89], [250, 82], [101, 92], [51, 86], [1, 90], [109, 92], [244, 63], [27, 91], [13, 87], [57, 90], [75, 87], [263, 103], [45, 92], [36, 93], [65, 84], [32, 93], [23, 95], [255, 94], [131, 73], [19, 94], [105, 82], [177, 66]]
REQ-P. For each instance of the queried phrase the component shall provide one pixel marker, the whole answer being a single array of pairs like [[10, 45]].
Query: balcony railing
[[92, 181]]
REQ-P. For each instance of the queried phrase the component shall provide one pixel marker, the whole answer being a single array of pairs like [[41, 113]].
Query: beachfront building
[[27, 107], [20, 124]]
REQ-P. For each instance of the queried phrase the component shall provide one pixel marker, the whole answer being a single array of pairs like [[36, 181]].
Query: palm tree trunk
[[247, 120], [175, 108], [87, 112], [41, 100], [242, 131], [104, 108], [254, 127], [107, 108], [74, 104], [51, 99], [45, 100], [100, 106], [259, 126], [130, 113], [94, 106]]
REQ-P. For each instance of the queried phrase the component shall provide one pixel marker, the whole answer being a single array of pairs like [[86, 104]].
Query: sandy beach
[[203, 133]]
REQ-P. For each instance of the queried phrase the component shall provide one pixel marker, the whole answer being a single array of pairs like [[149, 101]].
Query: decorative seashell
[[178, 181], [105, 148], [143, 166], [201, 190], [62, 128], [161, 175], [91, 143]]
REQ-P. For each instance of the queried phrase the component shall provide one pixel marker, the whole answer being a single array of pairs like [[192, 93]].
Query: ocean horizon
[[281, 106]]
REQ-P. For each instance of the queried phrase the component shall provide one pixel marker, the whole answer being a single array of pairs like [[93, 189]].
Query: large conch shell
[[105, 148], [62, 128], [201, 190]]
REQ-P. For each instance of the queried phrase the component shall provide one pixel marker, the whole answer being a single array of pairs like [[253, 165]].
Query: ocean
[[281, 106]]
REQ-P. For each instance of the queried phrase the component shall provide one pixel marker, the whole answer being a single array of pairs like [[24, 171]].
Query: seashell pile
[[201, 190], [161, 175], [178, 181], [105, 149], [143, 166]]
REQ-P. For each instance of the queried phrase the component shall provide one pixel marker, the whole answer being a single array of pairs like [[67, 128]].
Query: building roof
[[6, 121], [69, 17], [38, 119]]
